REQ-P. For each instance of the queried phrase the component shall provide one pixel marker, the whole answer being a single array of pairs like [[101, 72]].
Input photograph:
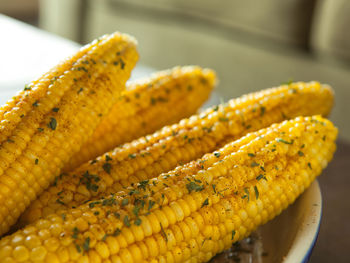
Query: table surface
[[27, 52]]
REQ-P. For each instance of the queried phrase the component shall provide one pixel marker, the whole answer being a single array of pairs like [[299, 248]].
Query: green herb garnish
[[86, 244], [107, 167], [233, 234], [254, 164], [256, 192], [126, 221], [206, 202], [52, 124], [217, 154]]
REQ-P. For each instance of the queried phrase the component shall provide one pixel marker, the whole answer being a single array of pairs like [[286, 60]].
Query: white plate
[[291, 236]]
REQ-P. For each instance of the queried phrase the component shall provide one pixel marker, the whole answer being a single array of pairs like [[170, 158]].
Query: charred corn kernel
[[45, 124], [149, 156], [210, 226], [147, 105]]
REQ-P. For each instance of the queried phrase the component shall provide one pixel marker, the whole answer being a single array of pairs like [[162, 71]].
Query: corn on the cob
[[146, 106], [46, 123], [192, 212], [147, 157]]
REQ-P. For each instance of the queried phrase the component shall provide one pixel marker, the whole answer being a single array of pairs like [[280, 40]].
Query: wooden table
[[333, 242], [24, 57]]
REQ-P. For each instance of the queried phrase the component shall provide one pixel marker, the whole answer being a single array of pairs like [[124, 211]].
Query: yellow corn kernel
[[42, 126], [147, 105], [211, 227], [145, 158]]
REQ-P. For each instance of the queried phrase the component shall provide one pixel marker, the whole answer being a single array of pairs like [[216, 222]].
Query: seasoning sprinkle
[[52, 124], [217, 154], [138, 221], [126, 221], [132, 156], [233, 234], [284, 141], [192, 186], [206, 202], [86, 244], [223, 119], [75, 233], [163, 232], [107, 167], [117, 232], [309, 164], [254, 164], [125, 201], [262, 110], [256, 192]]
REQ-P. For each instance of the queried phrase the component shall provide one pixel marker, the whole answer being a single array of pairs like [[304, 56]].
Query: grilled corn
[[149, 156], [146, 106], [191, 213], [52, 117]]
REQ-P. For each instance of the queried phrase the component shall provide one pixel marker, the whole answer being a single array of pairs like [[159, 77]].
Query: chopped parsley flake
[[254, 164], [150, 204], [206, 202], [126, 221], [60, 202], [256, 192], [52, 124], [251, 154], [132, 156], [233, 234], [138, 221], [35, 104], [284, 141], [107, 167], [262, 110], [192, 186], [86, 244], [300, 153], [125, 201], [217, 154], [36, 161], [260, 176], [75, 233], [27, 87], [223, 119], [309, 164], [163, 232], [78, 248], [246, 194], [116, 232], [55, 109]]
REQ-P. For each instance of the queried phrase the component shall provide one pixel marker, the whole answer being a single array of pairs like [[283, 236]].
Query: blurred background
[[251, 44]]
